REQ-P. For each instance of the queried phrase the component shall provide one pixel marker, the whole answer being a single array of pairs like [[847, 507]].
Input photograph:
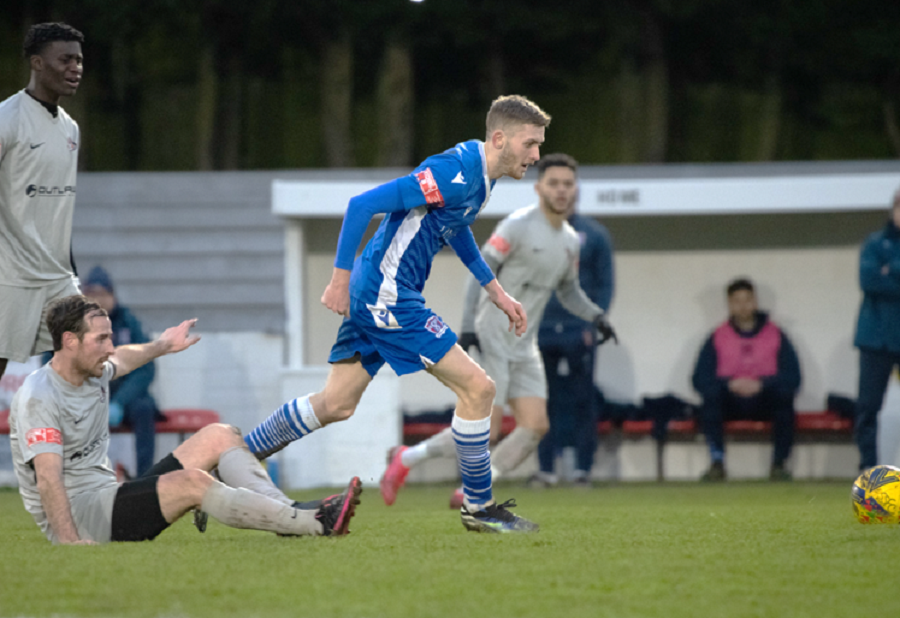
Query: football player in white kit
[[534, 252], [39, 145], [59, 434]]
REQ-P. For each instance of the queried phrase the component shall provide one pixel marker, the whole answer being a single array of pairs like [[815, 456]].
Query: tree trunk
[[496, 69], [207, 97], [232, 107], [395, 106], [337, 100], [630, 130], [770, 120], [891, 125], [892, 94], [656, 90]]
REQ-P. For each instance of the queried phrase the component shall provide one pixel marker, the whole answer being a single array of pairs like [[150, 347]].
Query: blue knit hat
[[99, 277]]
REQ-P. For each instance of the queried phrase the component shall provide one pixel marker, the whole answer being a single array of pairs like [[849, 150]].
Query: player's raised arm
[[127, 358]]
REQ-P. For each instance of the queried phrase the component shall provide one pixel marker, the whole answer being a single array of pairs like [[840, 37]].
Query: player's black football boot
[[336, 511], [496, 518]]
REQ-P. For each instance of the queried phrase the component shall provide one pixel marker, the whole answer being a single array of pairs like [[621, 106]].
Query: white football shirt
[[38, 164], [535, 259], [50, 415]]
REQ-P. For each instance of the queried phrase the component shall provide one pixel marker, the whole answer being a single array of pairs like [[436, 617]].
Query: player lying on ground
[[59, 433], [534, 252], [386, 319]]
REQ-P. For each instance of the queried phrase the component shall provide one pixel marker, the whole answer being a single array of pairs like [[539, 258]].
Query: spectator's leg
[[141, 415], [874, 372], [585, 411], [781, 405], [711, 418]]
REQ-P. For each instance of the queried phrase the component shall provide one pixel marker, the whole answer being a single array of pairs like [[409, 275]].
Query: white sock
[[238, 467], [414, 455], [242, 508], [439, 445]]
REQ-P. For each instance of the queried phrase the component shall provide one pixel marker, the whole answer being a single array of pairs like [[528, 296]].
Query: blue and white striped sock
[[472, 439], [288, 423]]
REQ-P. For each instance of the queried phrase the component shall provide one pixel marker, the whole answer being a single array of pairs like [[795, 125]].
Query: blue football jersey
[[442, 196]]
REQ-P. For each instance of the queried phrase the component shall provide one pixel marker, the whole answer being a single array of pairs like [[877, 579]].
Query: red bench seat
[[180, 420]]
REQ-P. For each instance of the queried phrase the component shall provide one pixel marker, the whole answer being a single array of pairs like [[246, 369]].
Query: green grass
[[740, 549]]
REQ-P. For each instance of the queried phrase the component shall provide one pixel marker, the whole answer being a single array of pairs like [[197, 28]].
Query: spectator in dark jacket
[[877, 330], [747, 370], [130, 402]]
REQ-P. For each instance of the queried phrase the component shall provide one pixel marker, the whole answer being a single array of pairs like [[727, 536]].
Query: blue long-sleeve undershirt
[[386, 199], [382, 199], [467, 249]]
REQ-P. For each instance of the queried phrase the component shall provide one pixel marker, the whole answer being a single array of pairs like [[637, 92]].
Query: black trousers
[[768, 405], [571, 405], [875, 369]]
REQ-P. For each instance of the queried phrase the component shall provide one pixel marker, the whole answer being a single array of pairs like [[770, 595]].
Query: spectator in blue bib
[[747, 370], [130, 402], [877, 329]]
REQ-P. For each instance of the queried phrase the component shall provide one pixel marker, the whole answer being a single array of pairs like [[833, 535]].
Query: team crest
[[436, 325]]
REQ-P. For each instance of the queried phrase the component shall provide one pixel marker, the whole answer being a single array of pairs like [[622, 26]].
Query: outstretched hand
[[508, 305], [178, 338]]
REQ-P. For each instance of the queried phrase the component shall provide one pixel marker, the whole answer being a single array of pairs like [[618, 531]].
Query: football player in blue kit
[[386, 320]]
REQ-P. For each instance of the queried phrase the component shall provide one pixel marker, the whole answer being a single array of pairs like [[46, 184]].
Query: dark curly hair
[[41, 35], [67, 314]]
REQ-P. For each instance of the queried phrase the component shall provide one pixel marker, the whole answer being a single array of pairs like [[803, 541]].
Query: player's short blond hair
[[514, 109]]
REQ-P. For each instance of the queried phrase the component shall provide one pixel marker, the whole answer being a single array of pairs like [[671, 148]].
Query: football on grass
[[876, 496]]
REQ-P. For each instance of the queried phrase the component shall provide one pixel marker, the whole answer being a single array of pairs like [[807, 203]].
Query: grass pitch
[[738, 549]]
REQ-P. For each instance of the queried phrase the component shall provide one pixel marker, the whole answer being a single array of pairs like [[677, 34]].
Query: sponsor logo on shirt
[[42, 191], [429, 188], [72, 145], [90, 448], [500, 244], [436, 325], [46, 435]]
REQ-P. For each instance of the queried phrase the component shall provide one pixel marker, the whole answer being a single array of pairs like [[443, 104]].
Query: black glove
[[469, 340], [604, 330]]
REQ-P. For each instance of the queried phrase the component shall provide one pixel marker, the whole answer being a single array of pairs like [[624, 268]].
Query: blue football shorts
[[409, 337]]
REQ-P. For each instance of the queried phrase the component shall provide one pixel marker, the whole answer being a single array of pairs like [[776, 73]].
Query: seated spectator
[[130, 402], [747, 370]]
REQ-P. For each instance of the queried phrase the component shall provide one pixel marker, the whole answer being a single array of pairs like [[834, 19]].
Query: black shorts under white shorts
[[137, 515]]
